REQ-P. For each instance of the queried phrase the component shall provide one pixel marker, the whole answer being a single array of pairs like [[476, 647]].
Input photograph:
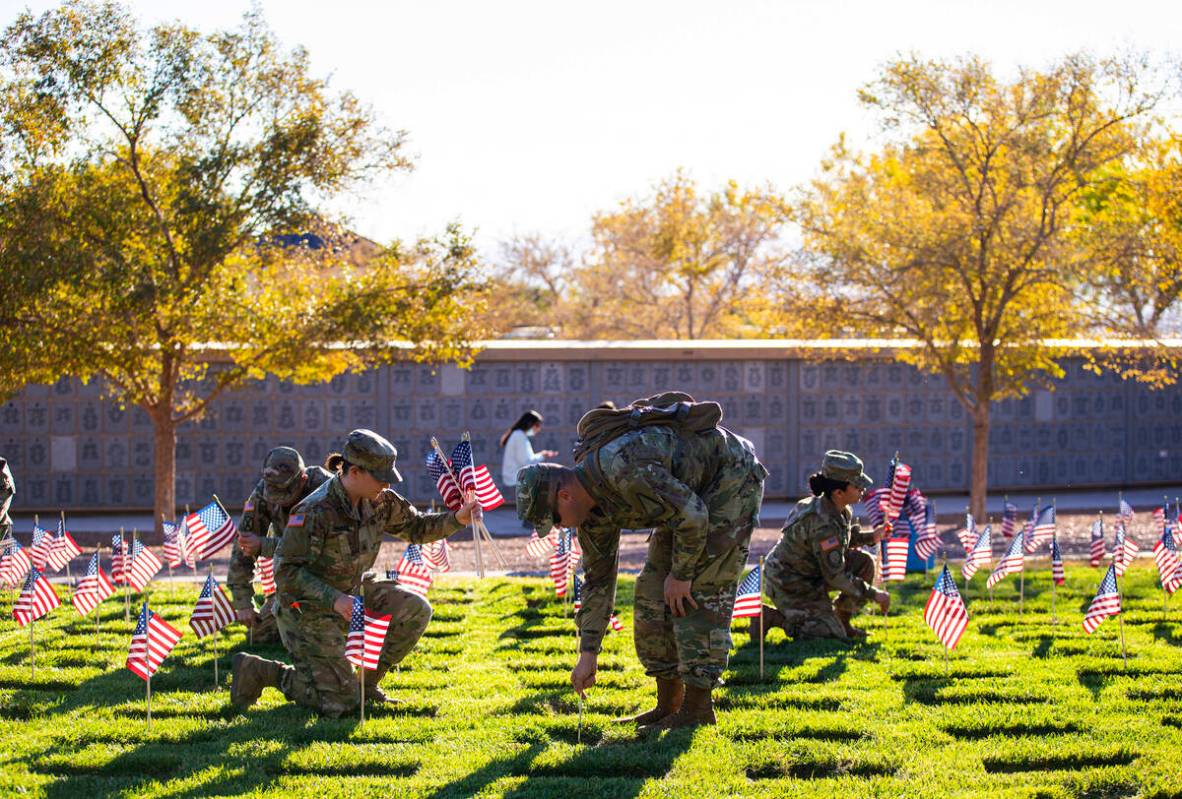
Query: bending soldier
[[700, 487], [332, 539], [817, 553], [284, 483]]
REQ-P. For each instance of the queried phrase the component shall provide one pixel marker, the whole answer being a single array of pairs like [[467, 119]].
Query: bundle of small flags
[[93, 588], [151, 642], [213, 610], [749, 599], [945, 611], [367, 634], [209, 530], [471, 477], [1012, 561], [412, 573], [1106, 602], [37, 598]]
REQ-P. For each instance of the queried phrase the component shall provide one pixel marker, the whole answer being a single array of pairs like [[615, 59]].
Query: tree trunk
[[979, 479], [164, 468]]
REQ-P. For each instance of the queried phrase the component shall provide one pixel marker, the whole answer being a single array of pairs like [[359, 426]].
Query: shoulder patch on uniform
[[295, 520], [248, 506], [832, 542]]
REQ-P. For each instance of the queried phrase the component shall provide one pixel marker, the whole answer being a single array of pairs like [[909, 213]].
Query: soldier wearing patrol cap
[[7, 492], [701, 492], [331, 541], [285, 482], [818, 553]]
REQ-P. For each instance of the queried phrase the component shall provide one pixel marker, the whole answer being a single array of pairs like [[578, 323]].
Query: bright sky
[[530, 116]]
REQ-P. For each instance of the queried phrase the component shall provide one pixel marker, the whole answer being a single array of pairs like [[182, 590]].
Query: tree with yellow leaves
[[955, 232]]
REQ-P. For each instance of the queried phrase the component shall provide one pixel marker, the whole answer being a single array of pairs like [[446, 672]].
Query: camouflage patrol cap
[[845, 466], [537, 495], [283, 471], [369, 451]]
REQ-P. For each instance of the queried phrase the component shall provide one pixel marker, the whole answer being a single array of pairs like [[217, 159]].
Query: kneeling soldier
[[817, 553], [332, 539]]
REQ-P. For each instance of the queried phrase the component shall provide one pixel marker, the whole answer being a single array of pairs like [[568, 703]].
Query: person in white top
[[518, 450]]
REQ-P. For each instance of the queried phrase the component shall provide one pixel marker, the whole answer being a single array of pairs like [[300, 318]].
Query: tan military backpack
[[672, 408]]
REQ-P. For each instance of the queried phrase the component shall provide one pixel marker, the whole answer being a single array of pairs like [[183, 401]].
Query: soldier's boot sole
[[251, 674], [696, 711], [670, 695]]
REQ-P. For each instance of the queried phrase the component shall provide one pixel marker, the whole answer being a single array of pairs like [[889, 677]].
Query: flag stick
[[69, 577], [148, 657], [178, 545], [215, 641], [761, 635], [98, 550], [123, 552], [32, 650], [443, 460], [194, 566], [361, 671], [467, 436]]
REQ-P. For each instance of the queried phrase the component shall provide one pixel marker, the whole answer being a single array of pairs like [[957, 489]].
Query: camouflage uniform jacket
[[329, 543], [647, 478], [7, 492], [813, 546], [261, 518]]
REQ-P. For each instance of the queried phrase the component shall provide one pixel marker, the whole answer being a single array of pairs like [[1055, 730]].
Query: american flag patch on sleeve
[[832, 542], [249, 506], [296, 520]]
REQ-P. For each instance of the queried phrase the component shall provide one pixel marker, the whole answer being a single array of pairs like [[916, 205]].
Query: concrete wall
[[71, 449]]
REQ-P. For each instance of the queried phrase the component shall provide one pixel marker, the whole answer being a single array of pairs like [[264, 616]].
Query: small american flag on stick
[[151, 642], [1106, 602], [1042, 528], [93, 588], [14, 564], [174, 543], [980, 554], [39, 548], [209, 529], [213, 610], [1012, 561], [445, 484], [144, 565], [413, 574], [62, 548], [1009, 519], [264, 572], [1165, 555], [749, 599], [1057, 573], [945, 611], [37, 598], [437, 555], [1124, 549], [367, 635], [475, 478], [1096, 551]]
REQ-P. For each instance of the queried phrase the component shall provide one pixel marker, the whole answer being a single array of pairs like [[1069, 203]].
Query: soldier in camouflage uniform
[[701, 492], [331, 541], [7, 492], [264, 517], [817, 553]]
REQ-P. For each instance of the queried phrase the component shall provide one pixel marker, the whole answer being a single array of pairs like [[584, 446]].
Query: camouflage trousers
[[320, 676], [266, 628], [695, 647], [808, 611]]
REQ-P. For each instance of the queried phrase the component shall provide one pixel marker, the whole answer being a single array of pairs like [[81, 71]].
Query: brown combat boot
[[670, 694], [251, 675], [853, 632], [696, 710], [760, 625], [374, 695]]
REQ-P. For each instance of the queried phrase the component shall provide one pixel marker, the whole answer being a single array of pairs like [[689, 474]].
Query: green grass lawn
[[1024, 708]]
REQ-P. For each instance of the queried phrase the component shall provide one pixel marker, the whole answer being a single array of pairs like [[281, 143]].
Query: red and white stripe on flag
[[213, 610], [480, 481], [144, 566], [1165, 555], [39, 547], [209, 530], [749, 598], [437, 555], [36, 599], [900, 482], [896, 558], [1012, 561], [174, 543], [618, 625], [979, 555], [14, 565], [945, 611], [264, 572], [367, 634], [1106, 602], [538, 547], [151, 642], [1097, 550], [413, 574], [559, 568], [1124, 551], [93, 588], [62, 550]]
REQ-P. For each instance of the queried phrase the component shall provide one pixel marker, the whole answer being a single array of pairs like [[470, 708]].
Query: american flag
[[1106, 602], [900, 482], [1009, 519], [560, 566], [1012, 561], [37, 598], [144, 566], [444, 483], [538, 547], [62, 548], [1028, 528], [968, 536], [92, 588], [14, 564], [264, 572], [209, 529], [1042, 529], [151, 641], [1057, 573], [945, 612], [895, 567], [1125, 511], [577, 594], [367, 634], [872, 505], [749, 599], [980, 554], [1159, 520], [615, 623], [413, 574], [437, 555], [39, 549], [1097, 551], [928, 540], [573, 547], [174, 543], [1124, 549], [118, 558], [213, 610], [1165, 554], [475, 478]]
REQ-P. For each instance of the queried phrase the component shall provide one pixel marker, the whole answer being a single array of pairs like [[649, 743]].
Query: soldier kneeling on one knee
[[818, 553]]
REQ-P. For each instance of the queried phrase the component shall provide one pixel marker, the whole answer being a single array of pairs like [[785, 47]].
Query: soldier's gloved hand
[[250, 543], [247, 616], [884, 601], [582, 676]]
